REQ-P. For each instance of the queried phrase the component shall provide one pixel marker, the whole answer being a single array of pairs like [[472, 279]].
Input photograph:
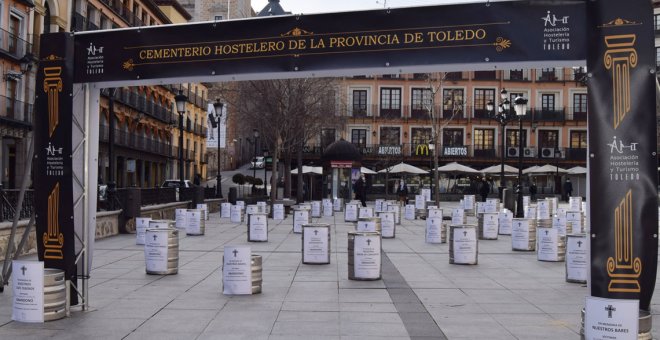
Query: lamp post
[[520, 106], [265, 171], [557, 178], [217, 107], [255, 134], [503, 117], [181, 100]]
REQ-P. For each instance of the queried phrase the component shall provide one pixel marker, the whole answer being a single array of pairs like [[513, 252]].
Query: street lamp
[[217, 107], [255, 134], [181, 100], [520, 106], [503, 117], [265, 170]]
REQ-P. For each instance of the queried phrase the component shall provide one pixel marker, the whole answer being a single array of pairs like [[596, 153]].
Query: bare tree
[[288, 112]]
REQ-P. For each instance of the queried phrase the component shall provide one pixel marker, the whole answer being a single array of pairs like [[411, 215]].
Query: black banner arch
[[486, 36]]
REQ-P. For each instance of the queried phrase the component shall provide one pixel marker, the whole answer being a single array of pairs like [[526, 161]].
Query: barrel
[[409, 212], [338, 204], [575, 203], [180, 218], [387, 224], [463, 244], [421, 214], [328, 209], [529, 211], [469, 205], [316, 209], [458, 217], [551, 245], [252, 209], [576, 219], [54, 294], [300, 218], [225, 210], [369, 224], [523, 234], [351, 213], [141, 225], [205, 210], [544, 210], [161, 251], [433, 230], [257, 229], [396, 209], [236, 214], [488, 226], [434, 213], [577, 258], [644, 327], [316, 243], [195, 222], [492, 205], [364, 262], [257, 270], [365, 212], [564, 227], [505, 221]]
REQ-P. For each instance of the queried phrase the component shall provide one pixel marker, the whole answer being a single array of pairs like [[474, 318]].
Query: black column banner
[[53, 149], [622, 145]]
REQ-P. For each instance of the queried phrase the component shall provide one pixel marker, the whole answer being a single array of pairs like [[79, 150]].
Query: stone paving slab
[[508, 295]]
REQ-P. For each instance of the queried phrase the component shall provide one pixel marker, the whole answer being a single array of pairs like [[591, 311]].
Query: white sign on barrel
[[506, 220], [315, 244], [457, 216], [316, 209], [577, 258], [410, 212], [300, 217], [155, 251], [141, 225], [278, 212], [194, 225], [180, 218], [520, 234], [611, 319], [237, 270], [435, 213], [387, 224], [427, 194], [258, 228], [366, 251], [559, 223], [28, 291], [433, 230], [366, 226], [350, 215], [205, 208], [548, 244], [225, 210], [327, 207], [465, 245], [236, 214], [420, 202], [366, 213], [490, 226]]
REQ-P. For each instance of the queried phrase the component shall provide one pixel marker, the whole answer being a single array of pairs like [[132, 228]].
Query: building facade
[[142, 120], [390, 118]]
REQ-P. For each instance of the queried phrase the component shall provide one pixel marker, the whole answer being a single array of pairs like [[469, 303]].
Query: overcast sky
[[320, 6]]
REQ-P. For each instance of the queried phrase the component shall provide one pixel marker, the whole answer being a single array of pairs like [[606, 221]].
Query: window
[[481, 97], [14, 34], [547, 74], [578, 139], [390, 135], [547, 102], [421, 136], [421, 100], [485, 75], [359, 103], [512, 140], [484, 142], [656, 22], [359, 137], [217, 18], [390, 102], [516, 75], [549, 139], [452, 137], [452, 103], [12, 88], [580, 106], [657, 56], [327, 137]]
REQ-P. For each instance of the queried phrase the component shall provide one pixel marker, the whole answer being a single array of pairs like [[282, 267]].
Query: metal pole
[[519, 208], [265, 171], [502, 184], [111, 151], [181, 149], [218, 178], [254, 159]]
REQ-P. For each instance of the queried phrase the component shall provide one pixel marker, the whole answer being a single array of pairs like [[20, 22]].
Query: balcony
[[549, 75], [485, 75], [391, 113], [16, 112], [135, 142], [549, 115], [13, 45]]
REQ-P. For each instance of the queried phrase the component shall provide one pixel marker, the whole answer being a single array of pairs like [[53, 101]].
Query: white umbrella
[[367, 171], [309, 170], [403, 168], [530, 169], [456, 168], [496, 169], [548, 169], [578, 170]]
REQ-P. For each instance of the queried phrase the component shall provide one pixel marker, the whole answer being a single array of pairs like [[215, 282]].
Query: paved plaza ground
[[508, 295]]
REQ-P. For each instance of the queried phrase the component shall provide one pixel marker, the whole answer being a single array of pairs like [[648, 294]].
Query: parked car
[[257, 163], [175, 183]]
